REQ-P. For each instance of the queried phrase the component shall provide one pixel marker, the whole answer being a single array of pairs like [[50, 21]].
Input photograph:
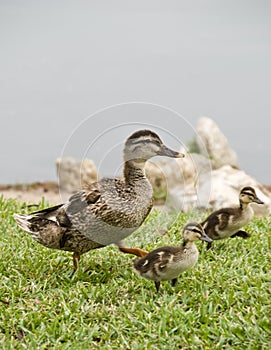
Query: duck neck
[[243, 206], [134, 171], [188, 244]]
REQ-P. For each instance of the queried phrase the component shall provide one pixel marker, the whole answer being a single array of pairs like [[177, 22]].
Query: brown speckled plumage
[[104, 212]]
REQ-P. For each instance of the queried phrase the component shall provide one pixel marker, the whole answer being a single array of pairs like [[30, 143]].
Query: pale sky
[[63, 61]]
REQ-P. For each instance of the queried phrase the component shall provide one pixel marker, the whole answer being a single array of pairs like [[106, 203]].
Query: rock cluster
[[210, 179]]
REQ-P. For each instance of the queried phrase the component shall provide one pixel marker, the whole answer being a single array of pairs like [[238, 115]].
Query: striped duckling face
[[145, 144], [248, 195], [194, 231]]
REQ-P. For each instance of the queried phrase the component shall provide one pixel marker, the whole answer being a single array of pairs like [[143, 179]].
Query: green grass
[[222, 303]]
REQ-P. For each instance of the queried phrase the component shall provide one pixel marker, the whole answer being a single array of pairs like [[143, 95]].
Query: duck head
[[248, 195], [145, 144], [193, 232]]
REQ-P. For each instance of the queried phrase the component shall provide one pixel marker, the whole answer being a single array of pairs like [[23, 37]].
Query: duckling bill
[[105, 212], [167, 263], [227, 222]]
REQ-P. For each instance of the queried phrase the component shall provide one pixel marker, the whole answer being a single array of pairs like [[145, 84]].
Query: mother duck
[[104, 212]]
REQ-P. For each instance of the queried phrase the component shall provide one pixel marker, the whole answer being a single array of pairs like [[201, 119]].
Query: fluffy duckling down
[[167, 263], [227, 222]]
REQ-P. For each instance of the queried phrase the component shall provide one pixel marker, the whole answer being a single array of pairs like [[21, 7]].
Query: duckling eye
[[196, 231], [248, 195]]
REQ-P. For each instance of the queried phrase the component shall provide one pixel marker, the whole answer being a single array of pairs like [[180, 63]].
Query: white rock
[[74, 174], [211, 140], [193, 166], [219, 190], [163, 174]]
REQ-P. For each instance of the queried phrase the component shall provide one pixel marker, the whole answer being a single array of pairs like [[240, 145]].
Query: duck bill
[[167, 152], [206, 238], [257, 200]]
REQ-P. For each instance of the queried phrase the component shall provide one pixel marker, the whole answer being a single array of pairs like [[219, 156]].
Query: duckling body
[[167, 263], [104, 212], [227, 222]]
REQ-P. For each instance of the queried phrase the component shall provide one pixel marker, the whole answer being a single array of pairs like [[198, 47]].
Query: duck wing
[[47, 211], [80, 200], [60, 213], [158, 258], [54, 227], [217, 221], [56, 214]]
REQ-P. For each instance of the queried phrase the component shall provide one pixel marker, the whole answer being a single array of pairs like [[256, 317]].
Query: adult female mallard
[[167, 263], [226, 222], [104, 212]]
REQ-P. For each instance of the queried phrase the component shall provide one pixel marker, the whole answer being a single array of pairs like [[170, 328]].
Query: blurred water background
[[63, 63]]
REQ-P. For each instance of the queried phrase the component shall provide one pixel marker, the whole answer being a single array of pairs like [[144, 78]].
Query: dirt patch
[[34, 193]]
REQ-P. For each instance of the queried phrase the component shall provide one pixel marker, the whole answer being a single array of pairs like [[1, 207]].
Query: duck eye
[[154, 142]]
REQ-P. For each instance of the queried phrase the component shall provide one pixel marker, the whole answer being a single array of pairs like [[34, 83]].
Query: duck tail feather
[[24, 222]]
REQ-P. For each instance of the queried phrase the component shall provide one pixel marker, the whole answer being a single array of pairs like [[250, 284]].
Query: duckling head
[[145, 144], [193, 232], [248, 195]]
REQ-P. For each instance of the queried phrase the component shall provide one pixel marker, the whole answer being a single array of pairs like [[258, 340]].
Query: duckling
[[104, 212], [227, 222], [167, 263]]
